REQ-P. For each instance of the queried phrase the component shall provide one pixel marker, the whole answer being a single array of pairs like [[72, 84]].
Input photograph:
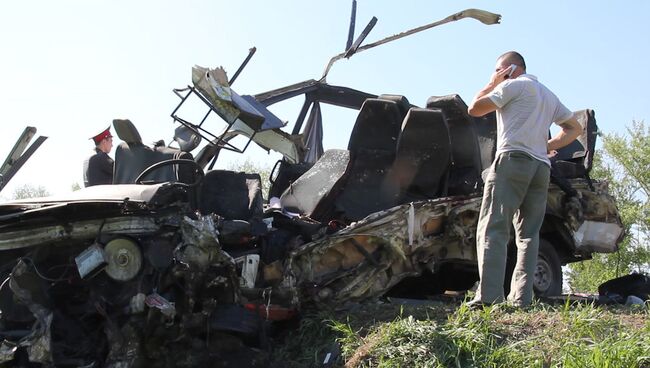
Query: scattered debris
[[629, 289]]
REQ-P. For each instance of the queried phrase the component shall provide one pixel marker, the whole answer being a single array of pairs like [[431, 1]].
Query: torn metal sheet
[[290, 146], [200, 247], [369, 257], [365, 259], [213, 83]]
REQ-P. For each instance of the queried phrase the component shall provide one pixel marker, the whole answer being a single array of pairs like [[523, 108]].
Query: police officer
[[98, 168]]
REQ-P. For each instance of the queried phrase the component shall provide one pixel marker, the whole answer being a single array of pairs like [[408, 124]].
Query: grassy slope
[[449, 335]]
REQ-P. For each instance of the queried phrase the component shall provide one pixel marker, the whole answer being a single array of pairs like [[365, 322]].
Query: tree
[[624, 163], [30, 191]]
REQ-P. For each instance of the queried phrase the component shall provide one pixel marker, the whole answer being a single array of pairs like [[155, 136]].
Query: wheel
[[198, 169], [548, 272]]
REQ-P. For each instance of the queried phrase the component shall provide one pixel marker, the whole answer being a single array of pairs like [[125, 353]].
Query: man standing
[[98, 168], [517, 184]]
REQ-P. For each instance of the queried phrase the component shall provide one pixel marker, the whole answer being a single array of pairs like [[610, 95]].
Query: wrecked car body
[[97, 284], [128, 274], [177, 264]]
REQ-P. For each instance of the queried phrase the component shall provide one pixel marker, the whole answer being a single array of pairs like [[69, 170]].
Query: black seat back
[[465, 173], [486, 130], [132, 157], [421, 167], [377, 127], [372, 147], [126, 131], [403, 104], [231, 195], [310, 194]]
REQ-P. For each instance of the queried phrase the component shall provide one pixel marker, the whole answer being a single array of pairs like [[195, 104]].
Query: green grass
[[451, 335]]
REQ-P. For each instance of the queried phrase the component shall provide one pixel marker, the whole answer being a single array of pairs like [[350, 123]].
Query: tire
[[548, 272]]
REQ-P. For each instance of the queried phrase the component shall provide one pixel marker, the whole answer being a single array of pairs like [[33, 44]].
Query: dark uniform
[[98, 169]]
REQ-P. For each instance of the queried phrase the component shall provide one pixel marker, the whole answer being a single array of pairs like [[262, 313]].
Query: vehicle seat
[[421, 167], [308, 194], [231, 195], [132, 157], [348, 185], [284, 173], [403, 104], [575, 160], [486, 130], [372, 147], [465, 173], [377, 127]]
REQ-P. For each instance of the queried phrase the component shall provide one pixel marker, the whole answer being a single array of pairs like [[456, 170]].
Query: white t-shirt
[[526, 109]]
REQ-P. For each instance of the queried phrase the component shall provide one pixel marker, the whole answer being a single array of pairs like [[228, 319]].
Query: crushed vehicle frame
[[176, 264]]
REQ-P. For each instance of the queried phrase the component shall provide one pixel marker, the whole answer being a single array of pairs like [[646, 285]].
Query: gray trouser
[[515, 192]]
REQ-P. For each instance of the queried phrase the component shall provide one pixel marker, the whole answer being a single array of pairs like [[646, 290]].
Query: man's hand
[[480, 105], [495, 79], [499, 76]]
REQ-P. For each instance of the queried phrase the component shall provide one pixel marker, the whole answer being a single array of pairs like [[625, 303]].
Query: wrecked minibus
[[177, 263]]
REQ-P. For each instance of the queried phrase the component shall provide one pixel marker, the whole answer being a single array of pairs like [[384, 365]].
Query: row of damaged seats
[[397, 153]]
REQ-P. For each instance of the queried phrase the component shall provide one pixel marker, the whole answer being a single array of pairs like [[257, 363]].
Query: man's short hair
[[515, 58]]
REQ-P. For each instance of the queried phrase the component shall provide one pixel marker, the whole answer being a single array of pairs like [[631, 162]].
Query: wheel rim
[[543, 275]]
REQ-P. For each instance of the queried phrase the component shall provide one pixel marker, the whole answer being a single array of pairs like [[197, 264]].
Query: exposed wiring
[[99, 232], [4, 282], [65, 272], [60, 278]]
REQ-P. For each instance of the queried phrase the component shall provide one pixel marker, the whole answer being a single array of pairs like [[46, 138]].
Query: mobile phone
[[512, 70]]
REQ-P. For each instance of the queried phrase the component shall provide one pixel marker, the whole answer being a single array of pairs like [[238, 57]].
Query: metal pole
[[251, 52], [353, 20], [482, 16]]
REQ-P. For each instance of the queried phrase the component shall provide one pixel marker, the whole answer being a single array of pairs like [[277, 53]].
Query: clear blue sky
[[70, 67]]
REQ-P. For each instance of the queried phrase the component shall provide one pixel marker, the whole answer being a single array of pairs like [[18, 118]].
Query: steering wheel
[[197, 169]]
